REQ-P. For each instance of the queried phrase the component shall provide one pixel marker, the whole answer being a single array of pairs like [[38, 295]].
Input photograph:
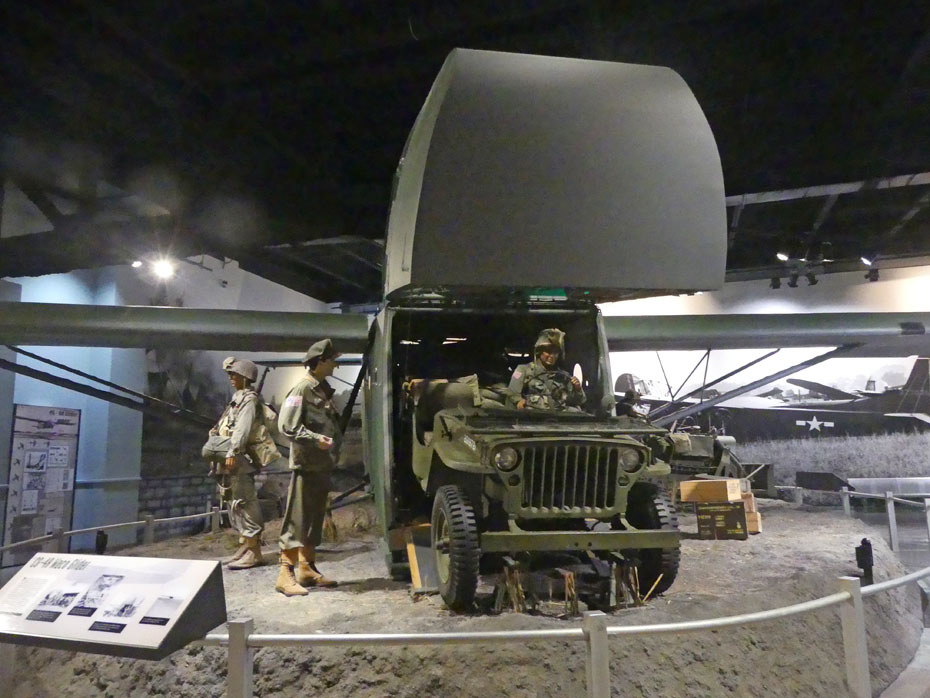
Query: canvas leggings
[[306, 509], [238, 489]]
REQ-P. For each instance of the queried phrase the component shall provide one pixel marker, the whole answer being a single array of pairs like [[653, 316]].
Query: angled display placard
[[123, 606]]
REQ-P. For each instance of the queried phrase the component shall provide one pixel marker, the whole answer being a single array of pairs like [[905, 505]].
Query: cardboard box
[[723, 521], [749, 502], [754, 522], [722, 490]]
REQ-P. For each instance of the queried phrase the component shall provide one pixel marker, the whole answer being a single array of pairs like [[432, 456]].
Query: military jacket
[[241, 422], [307, 414], [544, 389]]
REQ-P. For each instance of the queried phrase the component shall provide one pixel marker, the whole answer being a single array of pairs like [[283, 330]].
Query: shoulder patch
[[294, 401]]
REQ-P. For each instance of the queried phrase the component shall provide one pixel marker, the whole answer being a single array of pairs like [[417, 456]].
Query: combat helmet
[[551, 337], [242, 367]]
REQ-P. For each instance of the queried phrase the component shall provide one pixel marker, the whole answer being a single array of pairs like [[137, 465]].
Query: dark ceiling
[[269, 131]]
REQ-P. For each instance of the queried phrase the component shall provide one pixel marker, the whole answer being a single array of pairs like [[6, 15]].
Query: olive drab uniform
[[240, 426], [307, 415], [544, 389]]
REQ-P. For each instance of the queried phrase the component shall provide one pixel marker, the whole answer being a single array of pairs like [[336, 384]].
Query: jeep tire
[[454, 533], [649, 507]]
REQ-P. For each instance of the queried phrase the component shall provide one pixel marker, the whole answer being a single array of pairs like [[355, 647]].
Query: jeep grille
[[569, 478]]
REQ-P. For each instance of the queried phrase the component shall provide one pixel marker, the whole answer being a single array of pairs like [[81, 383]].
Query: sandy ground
[[798, 557]]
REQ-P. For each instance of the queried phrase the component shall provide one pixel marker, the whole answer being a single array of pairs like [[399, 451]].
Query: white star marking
[[813, 424]]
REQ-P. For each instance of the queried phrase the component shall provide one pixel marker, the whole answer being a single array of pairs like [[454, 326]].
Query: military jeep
[[531, 189], [494, 479]]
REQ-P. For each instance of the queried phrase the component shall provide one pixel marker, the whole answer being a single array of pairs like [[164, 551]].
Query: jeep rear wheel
[[455, 547], [651, 508]]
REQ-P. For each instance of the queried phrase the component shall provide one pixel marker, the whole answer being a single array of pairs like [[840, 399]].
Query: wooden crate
[[720, 490]]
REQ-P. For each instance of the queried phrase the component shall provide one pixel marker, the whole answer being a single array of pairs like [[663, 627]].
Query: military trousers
[[305, 510], [237, 492]]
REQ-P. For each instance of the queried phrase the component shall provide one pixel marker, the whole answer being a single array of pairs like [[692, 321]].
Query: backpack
[[265, 450]]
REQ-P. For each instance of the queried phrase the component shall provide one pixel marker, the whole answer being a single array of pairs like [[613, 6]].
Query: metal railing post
[[61, 540], [847, 509], [215, 520], [927, 516], [597, 654], [892, 522], [798, 496], [855, 646], [51, 546], [239, 665], [148, 534]]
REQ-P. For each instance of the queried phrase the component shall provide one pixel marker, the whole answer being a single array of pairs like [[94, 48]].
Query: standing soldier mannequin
[[541, 384], [231, 449], [311, 421]]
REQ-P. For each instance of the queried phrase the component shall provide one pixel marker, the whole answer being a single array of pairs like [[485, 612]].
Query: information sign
[[124, 606], [43, 459]]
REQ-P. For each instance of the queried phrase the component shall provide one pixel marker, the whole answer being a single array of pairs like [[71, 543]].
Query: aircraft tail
[[915, 393]]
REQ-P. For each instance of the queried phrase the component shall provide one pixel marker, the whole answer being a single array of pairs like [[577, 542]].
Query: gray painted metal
[[880, 334], [534, 171], [897, 485], [54, 324]]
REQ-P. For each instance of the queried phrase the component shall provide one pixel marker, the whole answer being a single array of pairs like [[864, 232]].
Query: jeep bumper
[[506, 541]]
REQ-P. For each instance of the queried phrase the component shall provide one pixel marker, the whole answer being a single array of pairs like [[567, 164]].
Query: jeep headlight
[[506, 459], [630, 459]]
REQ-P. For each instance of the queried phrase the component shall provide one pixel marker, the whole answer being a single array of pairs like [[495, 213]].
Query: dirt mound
[[798, 557]]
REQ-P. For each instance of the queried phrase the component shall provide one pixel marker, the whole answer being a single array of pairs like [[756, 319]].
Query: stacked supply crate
[[724, 510]]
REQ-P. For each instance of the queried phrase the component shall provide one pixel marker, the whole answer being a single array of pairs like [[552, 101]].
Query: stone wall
[[179, 495]]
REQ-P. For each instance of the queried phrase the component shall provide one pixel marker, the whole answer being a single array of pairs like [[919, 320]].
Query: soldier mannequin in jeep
[[541, 384]]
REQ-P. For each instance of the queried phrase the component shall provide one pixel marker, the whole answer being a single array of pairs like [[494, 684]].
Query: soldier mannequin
[[310, 421], [237, 430], [541, 384]]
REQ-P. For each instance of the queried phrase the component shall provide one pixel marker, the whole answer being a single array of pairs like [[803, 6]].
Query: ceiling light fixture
[[163, 269], [136, 264], [782, 257], [867, 261]]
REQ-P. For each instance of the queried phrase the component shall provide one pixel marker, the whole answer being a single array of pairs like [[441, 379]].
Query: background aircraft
[[904, 408]]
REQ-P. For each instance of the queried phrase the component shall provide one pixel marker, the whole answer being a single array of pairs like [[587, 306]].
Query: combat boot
[[240, 551], [252, 557], [307, 573], [286, 583]]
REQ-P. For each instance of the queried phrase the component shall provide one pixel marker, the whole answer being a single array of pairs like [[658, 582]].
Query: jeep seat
[[440, 395]]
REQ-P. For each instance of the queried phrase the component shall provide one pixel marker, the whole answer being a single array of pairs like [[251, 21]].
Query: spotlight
[[811, 279], [136, 264], [872, 274], [775, 282], [793, 281], [163, 269], [782, 257]]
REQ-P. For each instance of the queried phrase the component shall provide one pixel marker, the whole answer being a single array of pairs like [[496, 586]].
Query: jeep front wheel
[[650, 508], [455, 547]]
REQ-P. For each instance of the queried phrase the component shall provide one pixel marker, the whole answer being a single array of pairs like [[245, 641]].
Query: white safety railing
[[59, 537], [241, 641]]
